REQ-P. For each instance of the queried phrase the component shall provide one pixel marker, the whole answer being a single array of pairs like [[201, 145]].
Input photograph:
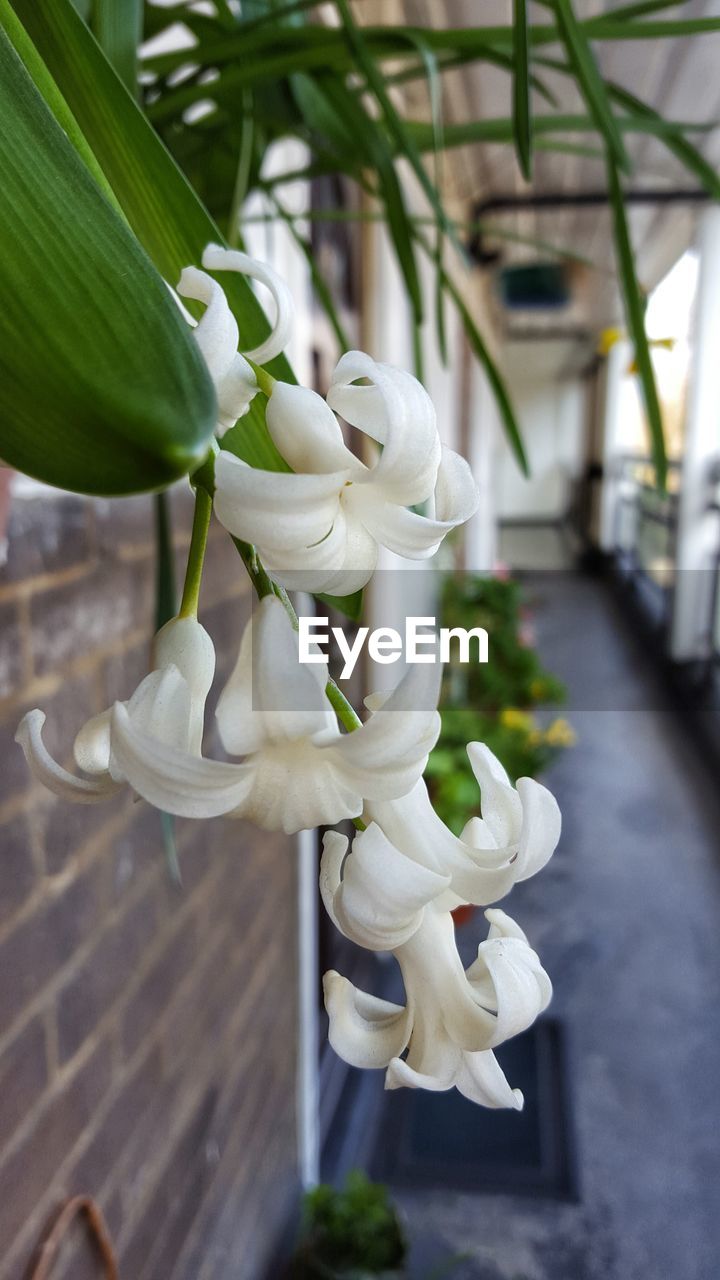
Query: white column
[[481, 533], [696, 527], [617, 388]]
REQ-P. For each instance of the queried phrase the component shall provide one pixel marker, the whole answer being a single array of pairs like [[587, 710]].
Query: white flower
[[167, 707], [453, 1018], [336, 511], [299, 770], [216, 333], [515, 837]]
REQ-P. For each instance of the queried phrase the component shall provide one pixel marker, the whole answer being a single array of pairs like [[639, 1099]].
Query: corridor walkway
[[626, 918]]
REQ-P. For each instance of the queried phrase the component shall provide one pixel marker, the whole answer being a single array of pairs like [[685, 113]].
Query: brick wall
[[147, 1032]]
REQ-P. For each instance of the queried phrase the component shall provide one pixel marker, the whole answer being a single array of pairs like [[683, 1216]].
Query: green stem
[[242, 173], [265, 380], [196, 554], [342, 708]]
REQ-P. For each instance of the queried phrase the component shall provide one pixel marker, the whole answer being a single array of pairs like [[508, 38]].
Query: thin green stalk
[[196, 554], [266, 586], [242, 174], [265, 380]]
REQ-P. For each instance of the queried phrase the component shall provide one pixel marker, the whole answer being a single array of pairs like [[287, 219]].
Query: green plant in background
[[491, 702], [273, 70], [349, 1234]]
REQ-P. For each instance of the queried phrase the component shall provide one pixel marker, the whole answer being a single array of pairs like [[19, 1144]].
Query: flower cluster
[[319, 525]]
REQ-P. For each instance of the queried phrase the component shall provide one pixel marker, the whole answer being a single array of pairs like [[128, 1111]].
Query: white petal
[[306, 431], [235, 392], [91, 748], [480, 876], [216, 258], [344, 562], [482, 1080], [185, 644], [216, 333], [387, 755], [508, 977], [380, 900], [295, 788], [335, 848], [501, 806], [173, 780], [400, 1075], [160, 708], [397, 412], [270, 695], [50, 773], [540, 832], [417, 536], [276, 510], [364, 1031]]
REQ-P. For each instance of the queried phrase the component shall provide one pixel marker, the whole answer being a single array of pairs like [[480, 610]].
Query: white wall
[[550, 410]]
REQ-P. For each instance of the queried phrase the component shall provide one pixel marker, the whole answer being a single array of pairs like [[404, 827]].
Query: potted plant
[[349, 1234]]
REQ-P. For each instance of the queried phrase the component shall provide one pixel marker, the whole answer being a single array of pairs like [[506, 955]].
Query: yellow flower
[[560, 734], [514, 718], [537, 689]]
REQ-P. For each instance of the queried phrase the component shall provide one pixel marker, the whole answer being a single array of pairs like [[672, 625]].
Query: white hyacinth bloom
[[337, 511], [453, 1018], [168, 706], [216, 333], [517, 834], [299, 770]]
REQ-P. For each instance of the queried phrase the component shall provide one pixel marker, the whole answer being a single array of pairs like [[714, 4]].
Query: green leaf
[[674, 140], [521, 91], [167, 217], [118, 27], [635, 315], [102, 389], [590, 81]]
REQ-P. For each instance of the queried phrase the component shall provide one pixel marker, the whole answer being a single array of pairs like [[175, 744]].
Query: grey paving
[[627, 920]]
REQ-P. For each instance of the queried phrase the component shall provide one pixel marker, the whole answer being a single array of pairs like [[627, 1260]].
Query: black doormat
[[442, 1140]]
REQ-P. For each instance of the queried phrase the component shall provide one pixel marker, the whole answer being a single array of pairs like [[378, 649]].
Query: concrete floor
[[626, 918]]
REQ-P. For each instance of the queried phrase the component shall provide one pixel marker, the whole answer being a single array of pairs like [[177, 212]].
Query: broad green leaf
[[589, 79], [635, 315], [167, 217], [521, 91], [118, 27], [102, 389]]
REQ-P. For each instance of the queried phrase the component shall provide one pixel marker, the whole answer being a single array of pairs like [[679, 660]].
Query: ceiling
[[679, 77]]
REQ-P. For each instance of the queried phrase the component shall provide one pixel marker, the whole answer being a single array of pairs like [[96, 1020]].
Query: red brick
[[37, 949], [11, 651], [23, 1077], [157, 988], [48, 532], [18, 869], [106, 971], [127, 1112], [33, 1167], [76, 619]]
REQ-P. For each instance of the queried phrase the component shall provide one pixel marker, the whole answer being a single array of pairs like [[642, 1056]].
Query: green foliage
[[102, 389], [491, 702], [349, 1234], [327, 86]]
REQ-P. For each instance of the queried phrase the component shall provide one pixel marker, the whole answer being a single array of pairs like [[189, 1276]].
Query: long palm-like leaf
[[635, 315], [521, 91]]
